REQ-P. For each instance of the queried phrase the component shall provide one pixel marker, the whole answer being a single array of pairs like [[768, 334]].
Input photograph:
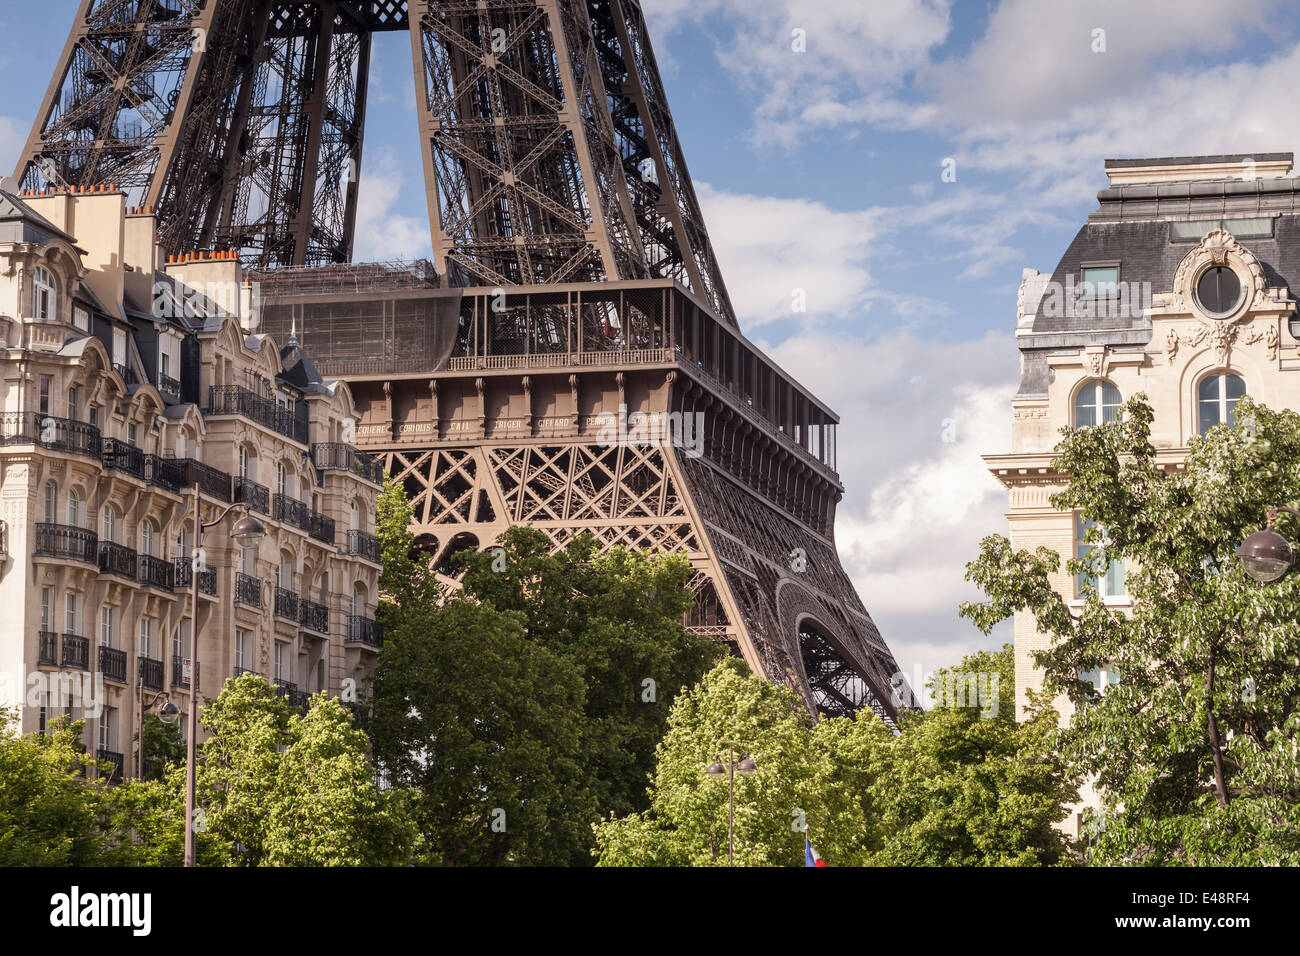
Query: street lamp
[[247, 533], [1266, 555], [744, 768], [168, 712]]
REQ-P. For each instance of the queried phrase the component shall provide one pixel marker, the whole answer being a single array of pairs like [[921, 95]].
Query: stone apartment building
[[130, 385], [1179, 286]]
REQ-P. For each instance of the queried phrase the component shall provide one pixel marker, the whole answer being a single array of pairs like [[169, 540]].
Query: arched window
[[358, 606], [147, 538], [244, 462], [1098, 402], [354, 517], [51, 502], [108, 524], [1217, 397], [281, 479], [45, 302], [284, 571], [74, 508]]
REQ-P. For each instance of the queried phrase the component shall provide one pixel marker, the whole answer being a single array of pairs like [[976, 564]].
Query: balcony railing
[[76, 652], [237, 400], [165, 473], [47, 652], [363, 545], [110, 764], [313, 616], [291, 511], [127, 373], [169, 387], [336, 456], [66, 541], [257, 497], [248, 590], [179, 677], [151, 673], [112, 663], [183, 574], [364, 630], [116, 559], [286, 604], [157, 572], [321, 528], [58, 434], [211, 481], [122, 457]]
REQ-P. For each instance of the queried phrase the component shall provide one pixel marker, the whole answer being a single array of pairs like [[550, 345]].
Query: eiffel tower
[[569, 359]]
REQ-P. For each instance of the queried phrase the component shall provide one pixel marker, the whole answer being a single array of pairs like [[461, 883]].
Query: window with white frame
[[281, 660], [81, 318], [1217, 398], [108, 525], [51, 502], [148, 538], [74, 402], [181, 639], [47, 607], [71, 612], [107, 626], [281, 479], [1097, 403], [354, 517], [145, 638], [243, 649], [108, 731], [45, 301], [74, 508], [1112, 583]]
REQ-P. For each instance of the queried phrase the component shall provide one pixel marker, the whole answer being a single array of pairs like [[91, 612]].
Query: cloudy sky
[[822, 169]]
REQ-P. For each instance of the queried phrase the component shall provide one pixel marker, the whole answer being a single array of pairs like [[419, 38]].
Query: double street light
[[1266, 555], [744, 768], [247, 533]]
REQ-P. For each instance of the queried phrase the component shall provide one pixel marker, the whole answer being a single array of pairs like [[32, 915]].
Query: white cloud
[[769, 248], [382, 231]]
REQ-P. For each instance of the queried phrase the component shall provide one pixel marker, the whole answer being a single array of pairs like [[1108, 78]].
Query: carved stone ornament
[[1220, 248]]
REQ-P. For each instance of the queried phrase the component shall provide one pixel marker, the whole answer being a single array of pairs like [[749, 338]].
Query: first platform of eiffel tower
[[569, 358]]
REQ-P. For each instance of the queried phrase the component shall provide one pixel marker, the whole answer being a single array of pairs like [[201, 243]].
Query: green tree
[[50, 815], [534, 695], [164, 745], [1194, 750]]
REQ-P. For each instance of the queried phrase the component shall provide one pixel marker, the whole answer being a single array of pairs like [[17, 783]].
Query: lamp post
[[168, 712], [1266, 555], [247, 532], [716, 769]]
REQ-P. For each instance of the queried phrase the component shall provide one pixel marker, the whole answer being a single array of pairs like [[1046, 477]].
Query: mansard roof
[[27, 225]]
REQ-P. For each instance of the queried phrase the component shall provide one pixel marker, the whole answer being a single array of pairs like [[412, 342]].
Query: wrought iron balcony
[[291, 511], [47, 651], [363, 545], [156, 572], [169, 387], [257, 497], [336, 456], [237, 400], [76, 652], [209, 480], [66, 541], [110, 764], [165, 473], [127, 373], [313, 616], [286, 604], [112, 664], [151, 673], [179, 677], [57, 434], [248, 590], [183, 574], [116, 559], [120, 456], [321, 528], [364, 630]]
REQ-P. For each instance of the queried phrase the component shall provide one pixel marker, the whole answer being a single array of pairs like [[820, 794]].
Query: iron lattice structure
[[572, 282], [549, 151]]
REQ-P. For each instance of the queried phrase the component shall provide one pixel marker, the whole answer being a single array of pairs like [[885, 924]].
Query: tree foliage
[[957, 786], [1194, 750], [527, 704]]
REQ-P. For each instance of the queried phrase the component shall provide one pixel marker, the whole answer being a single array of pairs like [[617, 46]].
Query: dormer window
[[44, 295], [81, 318], [1101, 282]]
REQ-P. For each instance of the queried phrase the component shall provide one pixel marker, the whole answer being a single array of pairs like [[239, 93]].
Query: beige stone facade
[[130, 385], [1200, 313]]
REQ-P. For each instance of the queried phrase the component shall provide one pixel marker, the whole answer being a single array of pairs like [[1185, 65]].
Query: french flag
[[810, 857]]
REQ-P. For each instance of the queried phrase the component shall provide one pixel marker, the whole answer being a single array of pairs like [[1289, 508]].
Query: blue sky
[[822, 170]]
